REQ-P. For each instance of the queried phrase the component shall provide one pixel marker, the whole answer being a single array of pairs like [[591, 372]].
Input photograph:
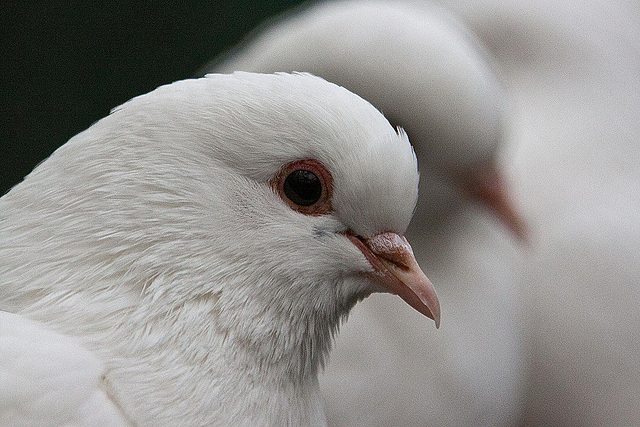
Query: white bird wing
[[48, 378]]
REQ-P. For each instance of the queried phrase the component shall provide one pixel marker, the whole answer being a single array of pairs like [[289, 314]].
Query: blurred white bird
[[573, 67], [187, 259], [426, 72]]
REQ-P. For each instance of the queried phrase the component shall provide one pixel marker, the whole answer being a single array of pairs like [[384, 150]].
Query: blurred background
[[66, 64], [572, 70]]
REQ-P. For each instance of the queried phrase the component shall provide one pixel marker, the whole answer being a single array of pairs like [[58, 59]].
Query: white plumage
[[162, 269], [50, 378], [573, 68], [426, 72]]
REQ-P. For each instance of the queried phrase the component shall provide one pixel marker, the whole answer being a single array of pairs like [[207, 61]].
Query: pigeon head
[[238, 214]]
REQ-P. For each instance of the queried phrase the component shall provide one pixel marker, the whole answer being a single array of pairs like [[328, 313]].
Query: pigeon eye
[[306, 186], [302, 187]]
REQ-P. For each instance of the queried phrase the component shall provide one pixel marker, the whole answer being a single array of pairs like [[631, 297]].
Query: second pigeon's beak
[[396, 269], [485, 184]]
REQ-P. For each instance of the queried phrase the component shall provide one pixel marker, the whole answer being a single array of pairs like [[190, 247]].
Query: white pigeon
[[574, 70], [426, 71], [187, 259]]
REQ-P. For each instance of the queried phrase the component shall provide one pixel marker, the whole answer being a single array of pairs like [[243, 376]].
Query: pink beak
[[485, 184], [396, 269]]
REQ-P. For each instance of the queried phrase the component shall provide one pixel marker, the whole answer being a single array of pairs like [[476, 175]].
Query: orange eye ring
[[306, 186]]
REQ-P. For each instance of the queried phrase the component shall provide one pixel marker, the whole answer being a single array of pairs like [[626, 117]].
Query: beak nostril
[[393, 248], [397, 259], [394, 254]]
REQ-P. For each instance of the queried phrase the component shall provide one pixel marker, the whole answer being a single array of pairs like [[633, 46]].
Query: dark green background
[[66, 64]]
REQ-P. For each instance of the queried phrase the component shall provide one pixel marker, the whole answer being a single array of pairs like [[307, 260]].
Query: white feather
[[49, 379]]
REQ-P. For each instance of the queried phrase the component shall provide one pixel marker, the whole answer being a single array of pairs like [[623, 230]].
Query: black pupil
[[303, 187]]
